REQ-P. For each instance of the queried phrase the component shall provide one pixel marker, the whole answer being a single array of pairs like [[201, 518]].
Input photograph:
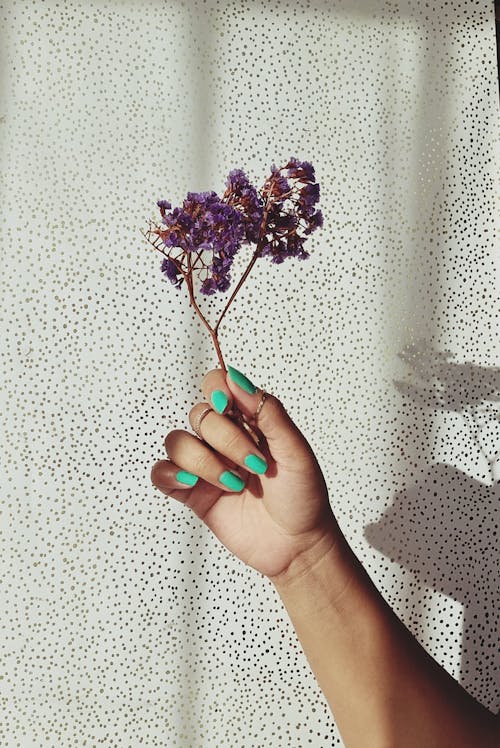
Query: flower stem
[[188, 278], [213, 331], [240, 283], [215, 341], [256, 254]]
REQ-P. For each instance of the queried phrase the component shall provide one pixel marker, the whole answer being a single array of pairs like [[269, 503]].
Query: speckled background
[[124, 623]]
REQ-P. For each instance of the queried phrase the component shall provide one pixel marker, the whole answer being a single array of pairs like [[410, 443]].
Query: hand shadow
[[444, 526]]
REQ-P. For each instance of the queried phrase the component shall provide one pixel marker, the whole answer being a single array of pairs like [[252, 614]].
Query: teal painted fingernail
[[219, 400], [189, 479], [257, 464], [241, 380], [231, 481]]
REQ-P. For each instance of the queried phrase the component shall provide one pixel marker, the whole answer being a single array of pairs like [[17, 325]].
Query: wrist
[[328, 557]]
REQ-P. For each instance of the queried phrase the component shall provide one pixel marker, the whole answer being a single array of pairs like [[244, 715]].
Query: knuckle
[[214, 380], [155, 473], [274, 414], [161, 475], [232, 440], [202, 463], [172, 439]]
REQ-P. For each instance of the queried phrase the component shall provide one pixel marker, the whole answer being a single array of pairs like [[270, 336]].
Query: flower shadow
[[472, 391]]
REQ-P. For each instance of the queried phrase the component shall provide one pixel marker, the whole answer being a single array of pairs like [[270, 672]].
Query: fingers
[[222, 460], [200, 496], [201, 470], [282, 435], [228, 439], [284, 439], [169, 477], [193, 456]]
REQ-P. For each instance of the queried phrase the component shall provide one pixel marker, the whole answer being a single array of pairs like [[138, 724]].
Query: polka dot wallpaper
[[124, 622]]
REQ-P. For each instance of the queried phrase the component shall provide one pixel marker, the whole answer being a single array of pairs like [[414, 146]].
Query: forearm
[[382, 686]]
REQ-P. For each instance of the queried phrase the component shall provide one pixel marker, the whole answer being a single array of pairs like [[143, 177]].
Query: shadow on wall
[[444, 527], [470, 390]]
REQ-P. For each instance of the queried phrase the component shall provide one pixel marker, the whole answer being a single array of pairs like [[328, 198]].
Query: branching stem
[[188, 276]]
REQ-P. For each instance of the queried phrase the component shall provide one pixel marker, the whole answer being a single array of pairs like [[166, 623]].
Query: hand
[[268, 506]]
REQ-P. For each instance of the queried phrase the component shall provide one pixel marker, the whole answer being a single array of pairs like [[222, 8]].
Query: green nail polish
[[189, 479], [231, 481], [241, 380], [257, 464], [219, 400]]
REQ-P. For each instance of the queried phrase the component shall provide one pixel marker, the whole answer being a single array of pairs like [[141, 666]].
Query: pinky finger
[[171, 480], [184, 486]]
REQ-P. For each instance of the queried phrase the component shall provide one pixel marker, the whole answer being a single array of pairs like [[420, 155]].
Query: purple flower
[[207, 231], [163, 205], [290, 213], [276, 187], [314, 222], [204, 225], [302, 170], [200, 239], [220, 278], [243, 196], [236, 182], [208, 287], [308, 197], [170, 269]]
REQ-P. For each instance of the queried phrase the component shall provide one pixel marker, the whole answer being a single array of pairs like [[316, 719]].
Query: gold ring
[[199, 419], [263, 398]]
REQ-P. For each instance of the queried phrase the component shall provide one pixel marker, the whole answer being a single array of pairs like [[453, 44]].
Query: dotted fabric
[[123, 621]]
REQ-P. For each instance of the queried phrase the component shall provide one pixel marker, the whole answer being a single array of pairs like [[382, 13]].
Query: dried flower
[[200, 239]]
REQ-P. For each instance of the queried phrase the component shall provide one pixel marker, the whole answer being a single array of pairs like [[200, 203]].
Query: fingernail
[[255, 463], [189, 479], [241, 380], [231, 481], [219, 400]]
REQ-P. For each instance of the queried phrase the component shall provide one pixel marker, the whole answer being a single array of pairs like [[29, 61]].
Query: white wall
[[124, 622]]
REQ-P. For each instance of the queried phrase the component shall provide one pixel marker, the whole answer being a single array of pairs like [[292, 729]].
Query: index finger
[[216, 391]]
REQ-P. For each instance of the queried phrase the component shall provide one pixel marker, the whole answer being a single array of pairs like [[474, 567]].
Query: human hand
[[269, 505]]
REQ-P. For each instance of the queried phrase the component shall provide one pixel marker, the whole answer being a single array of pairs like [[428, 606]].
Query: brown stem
[[188, 278], [215, 341], [255, 255], [240, 283], [212, 331]]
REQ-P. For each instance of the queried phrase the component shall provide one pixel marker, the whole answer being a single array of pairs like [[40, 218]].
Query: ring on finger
[[199, 418], [263, 397]]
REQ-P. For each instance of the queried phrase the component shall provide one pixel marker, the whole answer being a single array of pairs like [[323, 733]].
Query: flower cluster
[[291, 195], [204, 224], [201, 238], [243, 196]]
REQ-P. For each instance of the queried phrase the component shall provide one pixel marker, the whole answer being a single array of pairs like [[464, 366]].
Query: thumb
[[284, 439]]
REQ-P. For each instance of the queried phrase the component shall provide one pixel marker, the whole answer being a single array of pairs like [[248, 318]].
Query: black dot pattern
[[124, 622]]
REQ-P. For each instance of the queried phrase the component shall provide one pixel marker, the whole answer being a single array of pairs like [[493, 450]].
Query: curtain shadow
[[443, 526]]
